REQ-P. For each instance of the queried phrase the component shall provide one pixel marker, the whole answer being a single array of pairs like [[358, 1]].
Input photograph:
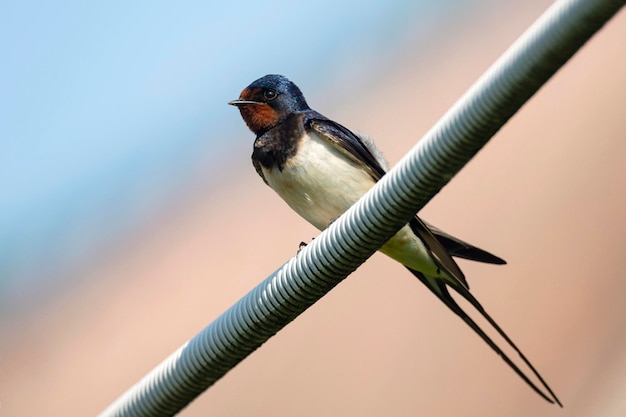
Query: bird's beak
[[242, 102]]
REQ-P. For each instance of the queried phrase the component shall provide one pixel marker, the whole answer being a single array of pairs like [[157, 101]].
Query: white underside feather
[[320, 184]]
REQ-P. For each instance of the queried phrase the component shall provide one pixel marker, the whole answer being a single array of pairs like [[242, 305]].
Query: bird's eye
[[270, 94]]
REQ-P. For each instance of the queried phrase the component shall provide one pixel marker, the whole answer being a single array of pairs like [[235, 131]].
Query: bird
[[320, 168]]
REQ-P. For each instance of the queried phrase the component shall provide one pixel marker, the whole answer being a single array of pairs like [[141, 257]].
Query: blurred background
[[126, 191]]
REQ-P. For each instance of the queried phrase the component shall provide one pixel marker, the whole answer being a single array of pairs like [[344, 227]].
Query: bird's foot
[[301, 246]]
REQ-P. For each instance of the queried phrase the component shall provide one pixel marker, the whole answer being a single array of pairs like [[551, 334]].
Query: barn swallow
[[320, 168]]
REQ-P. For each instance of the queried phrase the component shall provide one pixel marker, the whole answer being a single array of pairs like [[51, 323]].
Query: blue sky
[[104, 105]]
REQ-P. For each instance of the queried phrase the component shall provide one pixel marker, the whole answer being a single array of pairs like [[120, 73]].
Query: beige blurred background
[[547, 194]]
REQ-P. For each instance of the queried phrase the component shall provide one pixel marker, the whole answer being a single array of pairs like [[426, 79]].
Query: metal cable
[[349, 241]]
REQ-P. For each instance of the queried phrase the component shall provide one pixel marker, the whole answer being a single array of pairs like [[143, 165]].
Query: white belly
[[320, 184]]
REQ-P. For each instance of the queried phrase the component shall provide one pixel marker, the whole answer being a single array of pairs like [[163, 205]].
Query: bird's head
[[268, 101]]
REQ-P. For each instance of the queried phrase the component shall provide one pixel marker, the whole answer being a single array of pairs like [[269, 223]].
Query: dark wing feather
[[440, 244], [345, 141], [437, 251], [462, 249]]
